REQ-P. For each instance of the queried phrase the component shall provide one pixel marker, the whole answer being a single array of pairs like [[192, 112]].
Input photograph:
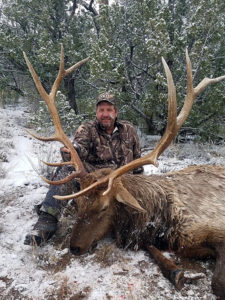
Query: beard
[[107, 123]]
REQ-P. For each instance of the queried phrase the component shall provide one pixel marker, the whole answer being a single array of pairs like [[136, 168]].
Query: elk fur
[[183, 209]]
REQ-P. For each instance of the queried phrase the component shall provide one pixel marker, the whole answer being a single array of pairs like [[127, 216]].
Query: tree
[[38, 28]]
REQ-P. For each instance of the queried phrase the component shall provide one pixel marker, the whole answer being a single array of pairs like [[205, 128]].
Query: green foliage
[[70, 121], [38, 28]]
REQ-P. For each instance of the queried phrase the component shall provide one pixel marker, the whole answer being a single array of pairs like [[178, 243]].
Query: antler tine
[[192, 92], [63, 73], [59, 134], [60, 76], [190, 97], [63, 163], [84, 191]]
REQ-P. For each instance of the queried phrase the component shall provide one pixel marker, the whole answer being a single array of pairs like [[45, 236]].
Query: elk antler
[[174, 123], [59, 134]]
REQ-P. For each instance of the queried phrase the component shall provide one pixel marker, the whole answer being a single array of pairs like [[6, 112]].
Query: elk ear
[[122, 195]]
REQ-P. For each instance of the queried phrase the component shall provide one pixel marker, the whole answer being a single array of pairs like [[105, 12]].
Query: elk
[[183, 210]]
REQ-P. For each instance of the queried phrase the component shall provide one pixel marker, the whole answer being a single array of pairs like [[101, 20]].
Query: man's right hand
[[65, 153]]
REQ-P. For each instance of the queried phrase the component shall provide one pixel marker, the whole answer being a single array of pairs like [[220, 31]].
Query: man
[[104, 143]]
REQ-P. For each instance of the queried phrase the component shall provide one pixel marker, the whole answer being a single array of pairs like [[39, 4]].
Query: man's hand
[[65, 153], [64, 149]]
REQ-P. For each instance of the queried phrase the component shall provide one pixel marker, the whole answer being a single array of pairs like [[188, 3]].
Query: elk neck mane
[[153, 227]]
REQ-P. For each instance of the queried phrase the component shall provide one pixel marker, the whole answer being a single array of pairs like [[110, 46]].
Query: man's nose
[[105, 113]]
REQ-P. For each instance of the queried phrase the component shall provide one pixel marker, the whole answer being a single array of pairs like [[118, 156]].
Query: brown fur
[[184, 211]]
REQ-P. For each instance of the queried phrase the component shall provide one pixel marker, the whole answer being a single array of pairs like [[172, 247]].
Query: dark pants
[[50, 204]]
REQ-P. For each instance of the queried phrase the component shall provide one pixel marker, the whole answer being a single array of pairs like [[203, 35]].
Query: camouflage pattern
[[101, 150]]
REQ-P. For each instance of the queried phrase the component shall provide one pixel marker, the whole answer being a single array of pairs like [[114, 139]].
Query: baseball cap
[[106, 97]]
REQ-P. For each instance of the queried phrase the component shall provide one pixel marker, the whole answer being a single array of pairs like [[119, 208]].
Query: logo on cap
[[106, 97]]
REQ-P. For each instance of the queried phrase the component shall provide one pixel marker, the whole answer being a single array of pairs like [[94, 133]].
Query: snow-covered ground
[[51, 272]]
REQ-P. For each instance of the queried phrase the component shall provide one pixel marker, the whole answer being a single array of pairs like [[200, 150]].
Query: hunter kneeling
[[104, 143]]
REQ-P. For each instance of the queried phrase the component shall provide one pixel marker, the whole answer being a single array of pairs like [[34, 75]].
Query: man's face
[[106, 114]]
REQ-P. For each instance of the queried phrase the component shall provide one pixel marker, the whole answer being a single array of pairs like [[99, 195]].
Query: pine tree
[[38, 28]]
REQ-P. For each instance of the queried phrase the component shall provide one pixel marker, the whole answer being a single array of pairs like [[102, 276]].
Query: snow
[[51, 272]]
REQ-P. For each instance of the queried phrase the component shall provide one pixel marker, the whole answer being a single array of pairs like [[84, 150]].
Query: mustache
[[106, 118]]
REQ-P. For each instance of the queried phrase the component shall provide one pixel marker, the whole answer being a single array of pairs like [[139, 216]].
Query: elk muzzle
[[79, 251]]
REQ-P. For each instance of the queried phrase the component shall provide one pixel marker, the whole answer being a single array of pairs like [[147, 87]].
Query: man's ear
[[122, 195]]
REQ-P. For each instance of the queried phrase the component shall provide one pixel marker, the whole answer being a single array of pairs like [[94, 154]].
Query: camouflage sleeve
[[136, 150], [136, 145], [82, 141]]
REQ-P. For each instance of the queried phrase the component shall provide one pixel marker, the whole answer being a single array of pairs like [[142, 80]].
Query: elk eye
[[104, 208]]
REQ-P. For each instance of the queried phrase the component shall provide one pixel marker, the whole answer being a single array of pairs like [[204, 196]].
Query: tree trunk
[[148, 120], [69, 83]]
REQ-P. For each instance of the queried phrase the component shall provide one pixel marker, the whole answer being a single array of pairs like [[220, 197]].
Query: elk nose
[[75, 250]]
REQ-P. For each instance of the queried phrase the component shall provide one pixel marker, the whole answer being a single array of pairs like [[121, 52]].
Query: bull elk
[[183, 211]]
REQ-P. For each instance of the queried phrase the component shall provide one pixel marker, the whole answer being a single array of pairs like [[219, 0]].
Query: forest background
[[125, 40]]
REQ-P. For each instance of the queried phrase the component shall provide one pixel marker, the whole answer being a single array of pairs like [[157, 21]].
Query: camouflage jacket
[[101, 150]]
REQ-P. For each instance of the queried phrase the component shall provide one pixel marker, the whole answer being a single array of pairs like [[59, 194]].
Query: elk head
[[96, 211], [97, 202]]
